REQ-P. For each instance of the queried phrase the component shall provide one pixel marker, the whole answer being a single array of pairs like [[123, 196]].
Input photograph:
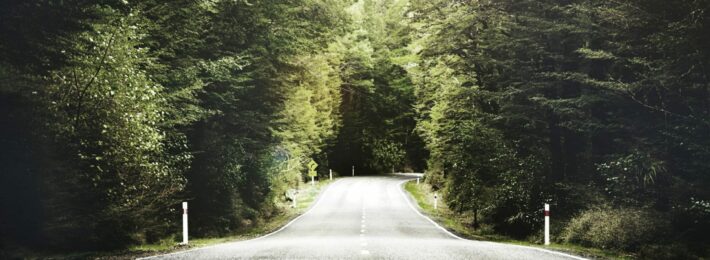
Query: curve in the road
[[364, 218], [318, 199], [460, 238]]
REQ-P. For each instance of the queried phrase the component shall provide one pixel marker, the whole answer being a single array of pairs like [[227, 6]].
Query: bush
[[666, 251], [622, 229]]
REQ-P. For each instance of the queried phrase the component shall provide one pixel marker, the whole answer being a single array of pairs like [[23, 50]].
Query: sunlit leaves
[[107, 111]]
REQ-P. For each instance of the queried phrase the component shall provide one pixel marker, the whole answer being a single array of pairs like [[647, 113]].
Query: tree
[[378, 125]]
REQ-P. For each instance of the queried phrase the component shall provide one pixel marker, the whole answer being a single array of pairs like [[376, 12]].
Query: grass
[[305, 199], [458, 224]]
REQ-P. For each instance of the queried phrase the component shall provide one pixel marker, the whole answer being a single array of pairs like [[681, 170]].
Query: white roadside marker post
[[436, 198], [313, 181], [294, 199], [331, 174], [353, 170], [184, 223], [417, 181], [547, 224]]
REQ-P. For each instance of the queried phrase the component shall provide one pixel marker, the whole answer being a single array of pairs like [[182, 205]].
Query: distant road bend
[[364, 218]]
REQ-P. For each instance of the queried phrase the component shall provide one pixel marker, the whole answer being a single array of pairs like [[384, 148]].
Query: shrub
[[666, 251], [622, 229]]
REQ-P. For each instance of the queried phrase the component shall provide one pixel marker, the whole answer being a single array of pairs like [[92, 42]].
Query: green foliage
[[310, 116], [668, 251], [106, 114], [621, 229], [271, 101], [134, 106], [378, 118], [575, 103], [137, 106], [387, 154]]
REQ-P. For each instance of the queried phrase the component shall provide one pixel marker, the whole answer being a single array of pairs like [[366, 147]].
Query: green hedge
[[625, 229]]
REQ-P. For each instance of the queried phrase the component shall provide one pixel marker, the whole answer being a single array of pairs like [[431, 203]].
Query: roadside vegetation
[[306, 197], [116, 111], [460, 224], [598, 108]]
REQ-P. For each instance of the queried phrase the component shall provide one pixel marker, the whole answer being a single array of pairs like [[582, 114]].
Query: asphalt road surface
[[364, 218]]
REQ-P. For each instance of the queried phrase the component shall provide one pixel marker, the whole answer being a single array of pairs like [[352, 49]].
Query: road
[[364, 218]]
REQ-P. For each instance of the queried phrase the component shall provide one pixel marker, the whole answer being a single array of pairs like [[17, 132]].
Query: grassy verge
[[305, 199], [307, 195], [458, 224]]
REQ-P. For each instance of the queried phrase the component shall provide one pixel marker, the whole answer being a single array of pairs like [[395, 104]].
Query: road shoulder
[[306, 203], [420, 199]]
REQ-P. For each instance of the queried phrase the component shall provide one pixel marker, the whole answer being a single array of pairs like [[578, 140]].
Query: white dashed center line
[[363, 240]]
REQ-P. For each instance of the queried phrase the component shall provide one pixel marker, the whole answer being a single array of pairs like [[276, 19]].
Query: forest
[[116, 111]]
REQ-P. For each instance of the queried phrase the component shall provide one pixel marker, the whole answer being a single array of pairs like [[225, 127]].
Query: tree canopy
[[116, 111]]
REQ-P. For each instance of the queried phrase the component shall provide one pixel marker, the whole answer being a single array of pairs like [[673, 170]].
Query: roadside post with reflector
[[184, 223], [547, 224], [436, 198]]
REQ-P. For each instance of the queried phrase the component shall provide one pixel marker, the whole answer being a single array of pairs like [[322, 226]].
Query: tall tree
[[377, 91]]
